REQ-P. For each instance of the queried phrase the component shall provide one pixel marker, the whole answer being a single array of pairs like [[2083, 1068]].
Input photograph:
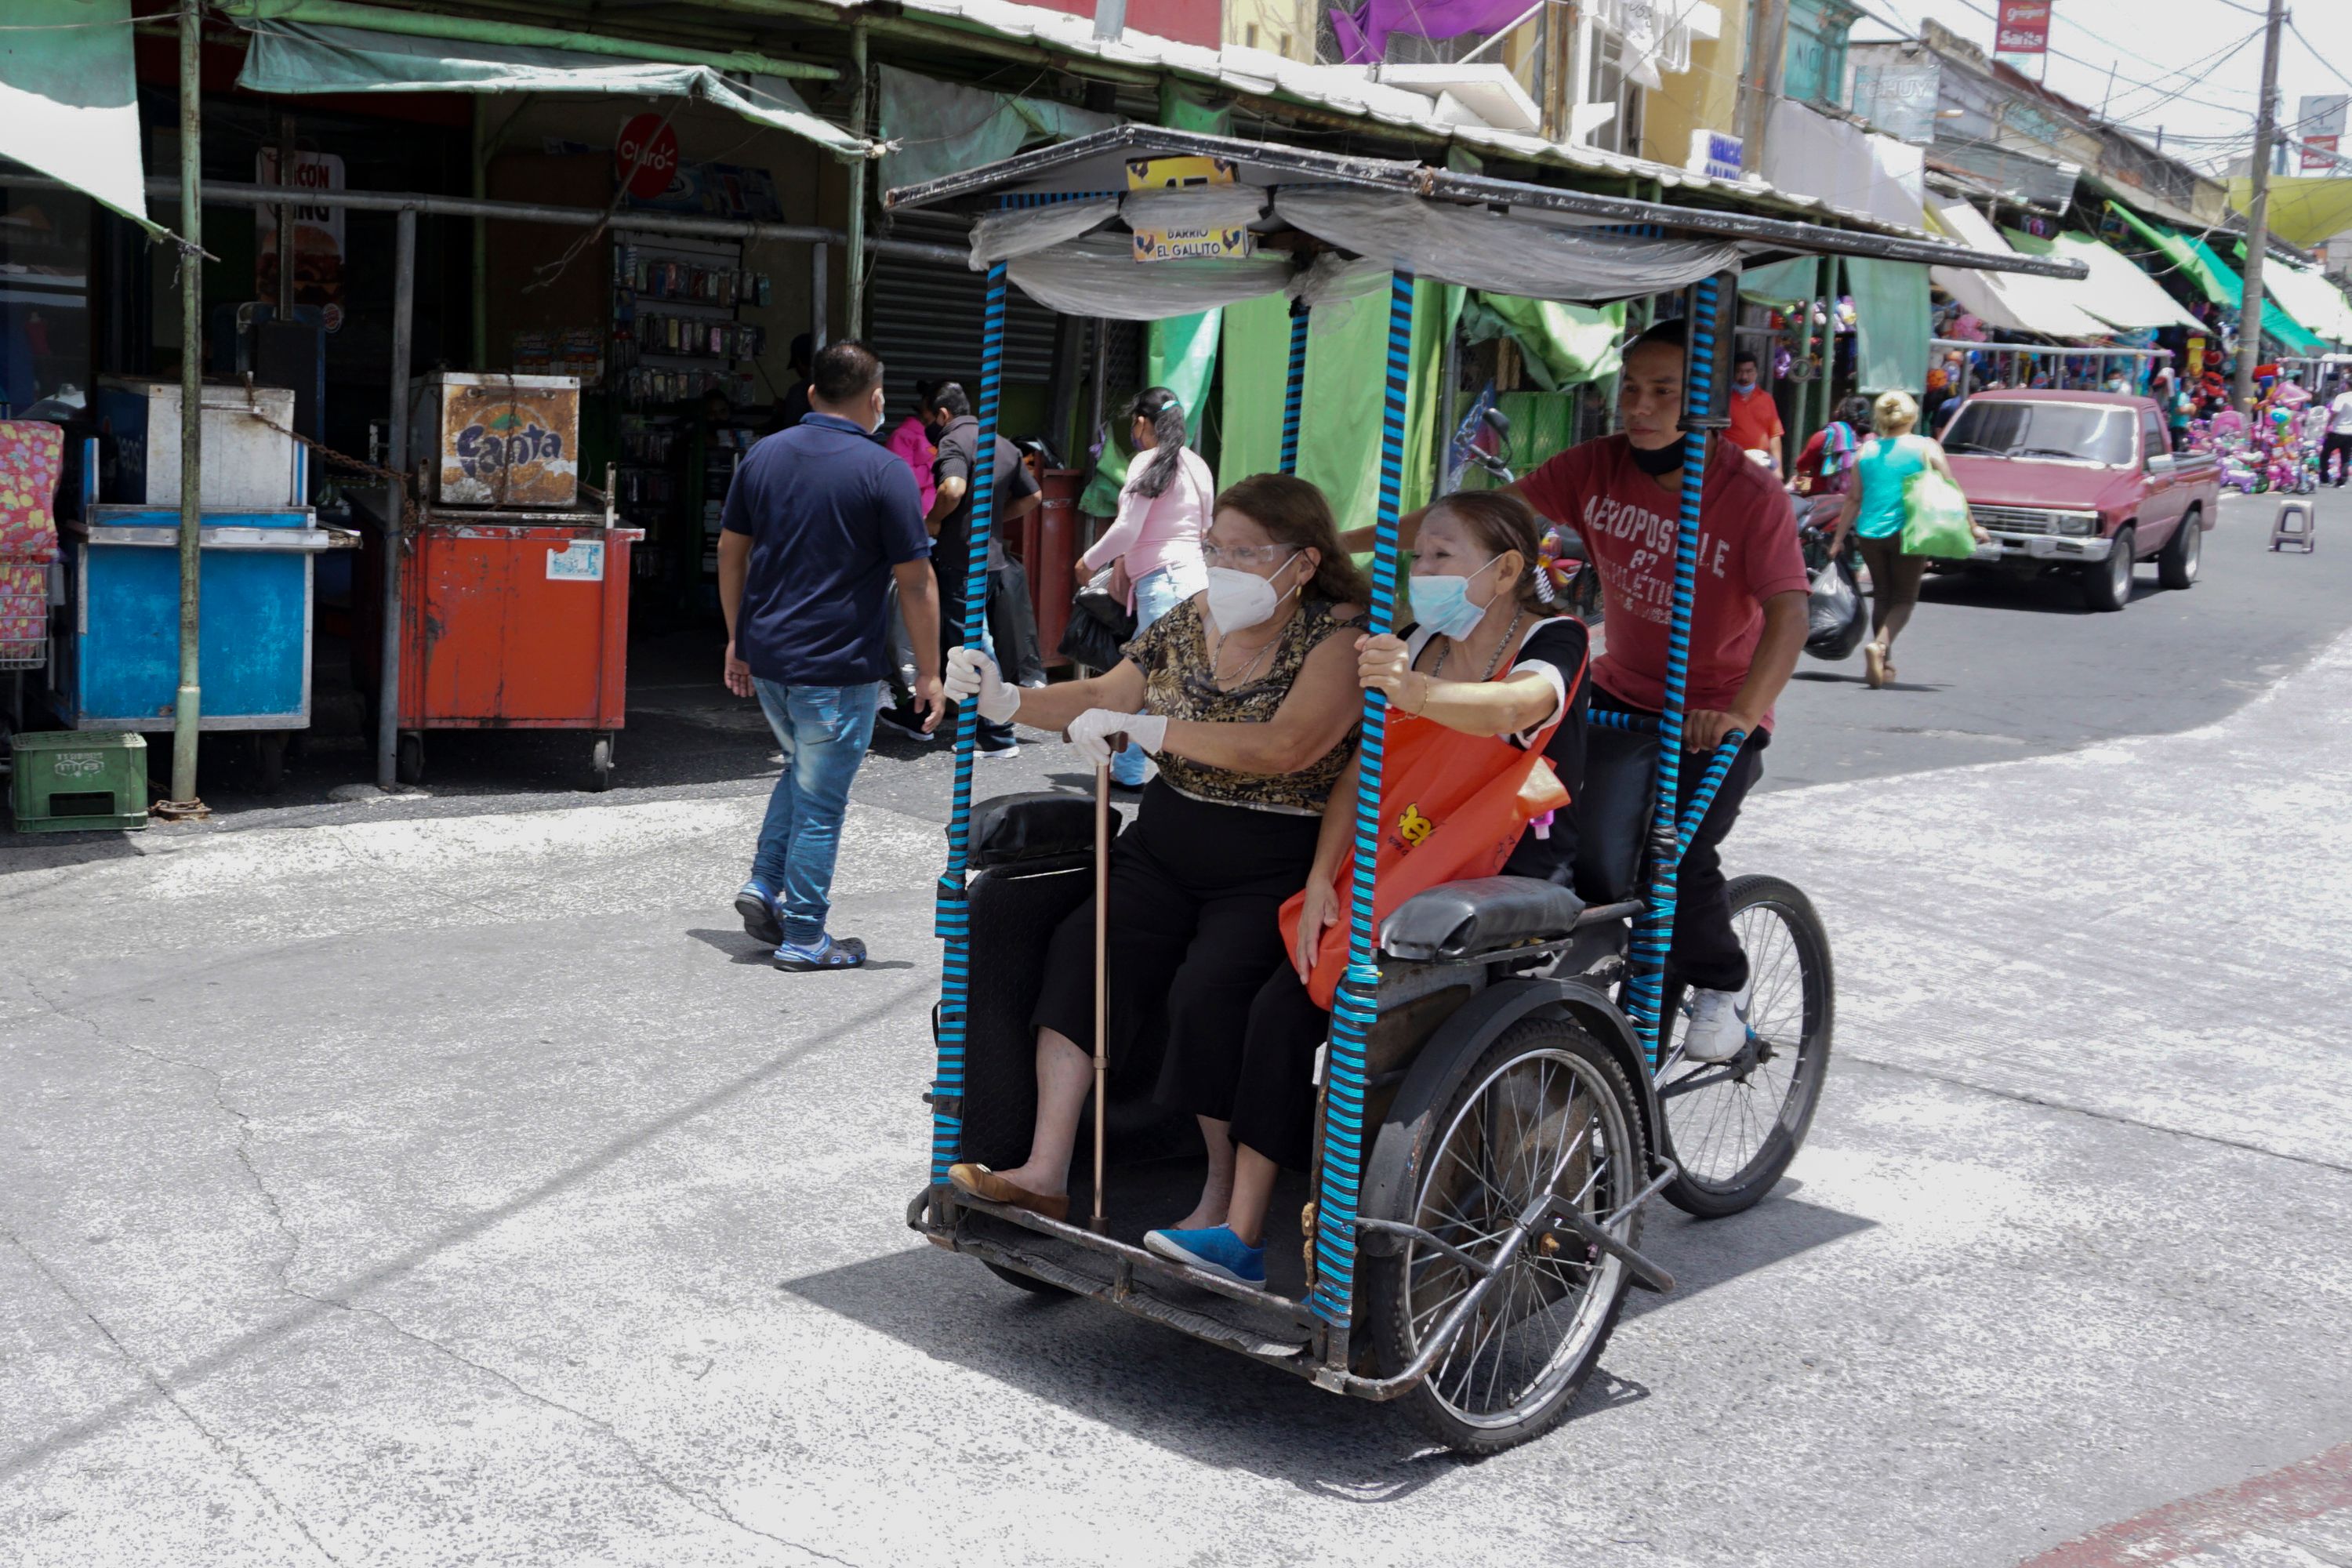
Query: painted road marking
[[2267, 1506]]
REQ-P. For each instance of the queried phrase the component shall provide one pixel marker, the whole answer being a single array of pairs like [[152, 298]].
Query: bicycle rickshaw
[[1502, 1091]]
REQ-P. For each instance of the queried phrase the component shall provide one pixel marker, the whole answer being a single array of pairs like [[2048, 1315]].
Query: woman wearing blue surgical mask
[[1245, 695], [1487, 656]]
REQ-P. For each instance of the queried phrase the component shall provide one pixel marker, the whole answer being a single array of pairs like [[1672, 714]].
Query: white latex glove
[[972, 674], [1089, 731]]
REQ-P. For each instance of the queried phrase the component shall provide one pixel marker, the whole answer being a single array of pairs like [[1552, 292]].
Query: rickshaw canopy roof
[[1080, 227]]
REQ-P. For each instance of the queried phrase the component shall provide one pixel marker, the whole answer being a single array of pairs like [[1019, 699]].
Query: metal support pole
[[396, 501], [1099, 373], [1358, 1002], [1449, 370], [820, 265], [1294, 386], [855, 324], [482, 240], [2258, 213], [286, 218], [188, 711]]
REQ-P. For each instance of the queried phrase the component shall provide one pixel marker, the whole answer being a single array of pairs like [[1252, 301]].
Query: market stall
[[512, 603], [117, 640]]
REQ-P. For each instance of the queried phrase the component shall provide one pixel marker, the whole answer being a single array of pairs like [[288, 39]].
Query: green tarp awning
[[936, 128], [69, 105], [1562, 345], [300, 57], [1890, 324], [2187, 253]]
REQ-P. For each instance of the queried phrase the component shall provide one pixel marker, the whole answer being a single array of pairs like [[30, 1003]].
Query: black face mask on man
[[1659, 461]]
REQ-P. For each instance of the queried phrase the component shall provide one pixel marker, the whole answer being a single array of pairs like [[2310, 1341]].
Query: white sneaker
[[1718, 1025]]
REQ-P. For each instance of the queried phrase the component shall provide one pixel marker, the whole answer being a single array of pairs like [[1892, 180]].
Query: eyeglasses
[[1244, 555]]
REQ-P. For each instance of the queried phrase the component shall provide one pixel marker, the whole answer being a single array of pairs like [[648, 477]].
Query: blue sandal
[[830, 953]]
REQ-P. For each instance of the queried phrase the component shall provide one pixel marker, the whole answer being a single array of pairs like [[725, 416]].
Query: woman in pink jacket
[[1153, 546]]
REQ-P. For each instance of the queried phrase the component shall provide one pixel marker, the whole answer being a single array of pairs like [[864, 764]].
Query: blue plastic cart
[[117, 645]]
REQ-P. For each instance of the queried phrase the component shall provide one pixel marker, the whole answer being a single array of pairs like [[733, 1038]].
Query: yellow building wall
[[1281, 27], [1704, 98]]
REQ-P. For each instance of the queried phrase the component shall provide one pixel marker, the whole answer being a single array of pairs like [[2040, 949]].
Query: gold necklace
[[1229, 683], [1492, 664]]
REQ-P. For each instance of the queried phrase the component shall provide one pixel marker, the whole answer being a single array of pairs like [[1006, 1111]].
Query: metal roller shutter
[[924, 317]]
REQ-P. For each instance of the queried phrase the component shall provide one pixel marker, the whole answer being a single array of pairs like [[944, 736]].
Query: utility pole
[[1759, 85], [2258, 220], [188, 711]]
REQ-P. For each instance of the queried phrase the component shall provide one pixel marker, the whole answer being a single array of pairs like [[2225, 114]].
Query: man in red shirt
[[1622, 494], [1755, 417]]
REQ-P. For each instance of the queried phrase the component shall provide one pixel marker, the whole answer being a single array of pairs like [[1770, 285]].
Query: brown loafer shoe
[[982, 1182]]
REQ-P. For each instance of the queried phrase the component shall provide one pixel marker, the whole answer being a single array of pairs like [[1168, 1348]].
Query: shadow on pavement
[[1218, 1409]]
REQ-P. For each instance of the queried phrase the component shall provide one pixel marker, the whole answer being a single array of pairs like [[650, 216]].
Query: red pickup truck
[[2082, 480]]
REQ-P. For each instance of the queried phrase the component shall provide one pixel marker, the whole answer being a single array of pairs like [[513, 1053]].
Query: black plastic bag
[[1100, 626], [1836, 619]]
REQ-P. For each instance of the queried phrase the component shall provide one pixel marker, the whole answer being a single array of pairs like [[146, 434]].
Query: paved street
[[448, 1180]]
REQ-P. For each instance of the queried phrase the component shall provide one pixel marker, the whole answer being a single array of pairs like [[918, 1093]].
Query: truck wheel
[[2175, 565], [408, 758], [2107, 584]]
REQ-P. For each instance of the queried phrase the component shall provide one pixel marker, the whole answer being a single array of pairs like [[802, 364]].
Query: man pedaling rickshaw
[[1620, 494]]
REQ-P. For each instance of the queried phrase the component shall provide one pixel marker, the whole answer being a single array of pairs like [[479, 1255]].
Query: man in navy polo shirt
[[820, 519]]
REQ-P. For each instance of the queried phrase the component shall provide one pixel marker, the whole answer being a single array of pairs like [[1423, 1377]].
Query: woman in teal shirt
[[1874, 511]]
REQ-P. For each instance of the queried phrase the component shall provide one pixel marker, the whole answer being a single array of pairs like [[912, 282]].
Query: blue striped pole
[[1295, 389], [1358, 1001], [953, 924], [1718, 767], [1654, 936]]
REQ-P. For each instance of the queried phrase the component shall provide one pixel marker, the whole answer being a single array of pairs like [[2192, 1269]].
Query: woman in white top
[[1154, 544]]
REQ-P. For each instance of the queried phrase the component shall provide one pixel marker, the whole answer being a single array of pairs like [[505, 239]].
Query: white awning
[[2117, 292], [69, 105], [2011, 302]]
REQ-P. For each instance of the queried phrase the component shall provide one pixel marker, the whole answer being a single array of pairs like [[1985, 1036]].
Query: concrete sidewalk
[[469, 1191]]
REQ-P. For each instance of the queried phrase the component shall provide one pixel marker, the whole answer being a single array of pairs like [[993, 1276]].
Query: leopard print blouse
[[1173, 653]]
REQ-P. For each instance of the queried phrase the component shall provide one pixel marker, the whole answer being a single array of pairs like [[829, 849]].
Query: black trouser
[[1195, 888], [1013, 623], [952, 604], [2340, 449], [1705, 953]]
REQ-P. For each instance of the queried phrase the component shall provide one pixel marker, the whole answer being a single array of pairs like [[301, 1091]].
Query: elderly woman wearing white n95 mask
[[1246, 697]]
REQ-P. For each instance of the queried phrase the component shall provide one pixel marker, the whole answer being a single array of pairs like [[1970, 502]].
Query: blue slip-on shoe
[[830, 953], [1216, 1250], [758, 908]]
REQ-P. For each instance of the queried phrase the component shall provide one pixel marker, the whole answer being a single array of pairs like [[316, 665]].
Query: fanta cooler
[[493, 440]]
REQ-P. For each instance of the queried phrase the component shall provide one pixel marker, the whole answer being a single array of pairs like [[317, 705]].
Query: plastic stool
[[2302, 536]]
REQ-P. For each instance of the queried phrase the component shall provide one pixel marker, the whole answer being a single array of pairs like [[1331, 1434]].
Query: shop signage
[[1186, 244], [317, 235], [1899, 100], [1193, 244], [2320, 119], [645, 159], [1178, 173], [2022, 28], [1715, 154], [579, 561]]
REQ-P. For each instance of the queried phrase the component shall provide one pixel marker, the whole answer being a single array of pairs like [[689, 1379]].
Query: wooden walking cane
[[1102, 973]]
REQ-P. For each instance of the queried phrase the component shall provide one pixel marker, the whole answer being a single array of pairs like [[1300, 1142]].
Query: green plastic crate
[[80, 781]]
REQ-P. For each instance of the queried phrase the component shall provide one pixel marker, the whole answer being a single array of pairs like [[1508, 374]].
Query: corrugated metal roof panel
[[1350, 90]]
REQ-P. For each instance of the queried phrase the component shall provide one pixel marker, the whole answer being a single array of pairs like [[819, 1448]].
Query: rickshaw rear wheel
[[1544, 1102], [1733, 1127]]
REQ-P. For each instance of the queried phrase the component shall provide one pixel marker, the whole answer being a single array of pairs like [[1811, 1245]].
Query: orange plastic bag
[[1452, 806]]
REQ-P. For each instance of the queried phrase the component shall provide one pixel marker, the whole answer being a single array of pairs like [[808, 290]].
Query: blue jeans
[[823, 732], [1155, 595]]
